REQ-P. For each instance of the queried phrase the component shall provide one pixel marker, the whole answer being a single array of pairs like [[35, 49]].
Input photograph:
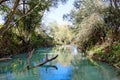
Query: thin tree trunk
[[5, 27], [29, 57]]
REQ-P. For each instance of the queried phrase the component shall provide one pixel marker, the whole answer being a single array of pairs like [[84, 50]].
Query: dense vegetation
[[97, 29], [23, 29]]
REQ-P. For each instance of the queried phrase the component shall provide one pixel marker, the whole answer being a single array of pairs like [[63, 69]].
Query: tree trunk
[[10, 16]]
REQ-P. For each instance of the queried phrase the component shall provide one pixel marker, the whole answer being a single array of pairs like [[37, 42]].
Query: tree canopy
[[22, 18]]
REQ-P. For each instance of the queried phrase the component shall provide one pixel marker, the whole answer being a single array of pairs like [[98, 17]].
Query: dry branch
[[46, 61], [4, 59], [10, 17], [117, 66], [29, 57], [1, 1]]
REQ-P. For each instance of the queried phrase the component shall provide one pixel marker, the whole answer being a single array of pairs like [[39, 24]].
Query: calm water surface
[[69, 65]]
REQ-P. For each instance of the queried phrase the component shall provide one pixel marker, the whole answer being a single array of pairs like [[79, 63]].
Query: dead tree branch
[[1, 1], [10, 17], [6, 58], [46, 61], [29, 57]]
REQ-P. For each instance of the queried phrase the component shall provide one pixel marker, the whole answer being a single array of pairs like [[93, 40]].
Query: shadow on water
[[69, 65]]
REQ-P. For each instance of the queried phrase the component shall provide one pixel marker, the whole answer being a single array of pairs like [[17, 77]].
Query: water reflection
[[85, 69], [74, 50], [63, 73], [69, 65]]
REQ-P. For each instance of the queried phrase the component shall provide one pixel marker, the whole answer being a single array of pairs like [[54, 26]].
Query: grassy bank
[[105, 53]]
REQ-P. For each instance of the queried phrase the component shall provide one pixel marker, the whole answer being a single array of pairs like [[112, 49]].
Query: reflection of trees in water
[[18, 63], [17, 67], [71, 49], [66, 54], [13, 66], [87, 70], [64, 59], [83, 69]]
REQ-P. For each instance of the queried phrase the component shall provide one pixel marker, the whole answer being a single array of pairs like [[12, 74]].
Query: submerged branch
[[47, 66], [4, 59], [117, 66], [29, 57], [46, 61]]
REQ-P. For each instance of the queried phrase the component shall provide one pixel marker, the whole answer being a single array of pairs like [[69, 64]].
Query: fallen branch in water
[[29, 57], [46, 61], [116, 66], [46, 66], [7, 58], [4, 59], [51, 66]]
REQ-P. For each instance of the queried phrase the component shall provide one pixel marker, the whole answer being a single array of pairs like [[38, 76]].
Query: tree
[[22, 18], [88, 21], [62, 34], [112, 18]]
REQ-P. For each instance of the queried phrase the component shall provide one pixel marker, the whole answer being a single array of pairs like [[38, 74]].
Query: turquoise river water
[[69, 65]]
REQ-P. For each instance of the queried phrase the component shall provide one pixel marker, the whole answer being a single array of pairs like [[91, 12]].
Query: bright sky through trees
[[1, 21], [56, 14]]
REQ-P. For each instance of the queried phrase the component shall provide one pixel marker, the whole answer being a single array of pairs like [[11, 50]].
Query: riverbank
[[12, 47], [107, 54]]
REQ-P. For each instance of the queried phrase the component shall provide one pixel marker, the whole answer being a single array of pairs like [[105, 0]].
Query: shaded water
[[69, 65]]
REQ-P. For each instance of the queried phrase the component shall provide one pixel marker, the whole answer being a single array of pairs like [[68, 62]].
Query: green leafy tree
[[22, 19], [62, 34]]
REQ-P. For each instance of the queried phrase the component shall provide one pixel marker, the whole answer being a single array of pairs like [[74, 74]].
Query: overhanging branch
[[6, 26], [10, 17], [1, 1]]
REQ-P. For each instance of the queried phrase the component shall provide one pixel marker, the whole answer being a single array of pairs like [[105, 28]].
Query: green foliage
[[21, 30], [89, 24], [112, 56], [0, 25], [93, 19], [96, 28], [116, 47], [61, 34], [40, 41]]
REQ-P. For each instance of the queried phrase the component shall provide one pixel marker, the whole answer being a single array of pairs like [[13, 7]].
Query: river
[[69, 65]]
